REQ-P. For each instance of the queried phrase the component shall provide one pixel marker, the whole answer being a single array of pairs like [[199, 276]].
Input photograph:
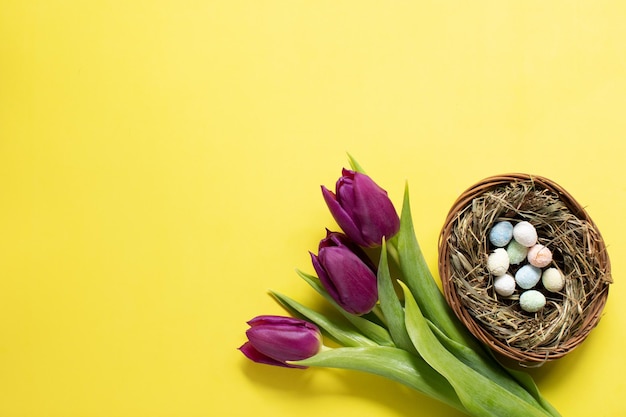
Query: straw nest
[[578, 251]]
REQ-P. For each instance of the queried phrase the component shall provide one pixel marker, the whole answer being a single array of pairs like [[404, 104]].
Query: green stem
[[392, 363], [337, 331]]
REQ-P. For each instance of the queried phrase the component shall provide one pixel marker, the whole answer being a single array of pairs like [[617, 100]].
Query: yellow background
[[160, 164]]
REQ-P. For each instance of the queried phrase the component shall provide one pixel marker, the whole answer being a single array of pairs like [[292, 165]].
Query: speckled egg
[[517, 252], [527, 276], [504, 285], [539, 256], [501, 234], [525, 233], [498, 262], [553, 280], [532, 301]]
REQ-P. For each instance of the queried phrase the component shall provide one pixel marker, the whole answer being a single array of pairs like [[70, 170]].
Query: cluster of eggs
[[515, 245]]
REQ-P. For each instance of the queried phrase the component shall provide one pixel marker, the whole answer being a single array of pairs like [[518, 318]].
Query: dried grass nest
[[578, 251]]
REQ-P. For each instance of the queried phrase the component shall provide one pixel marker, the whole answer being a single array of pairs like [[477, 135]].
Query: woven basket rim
[[595, 309]]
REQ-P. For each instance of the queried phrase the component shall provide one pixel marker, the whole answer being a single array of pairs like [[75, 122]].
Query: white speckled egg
[[527, 276], [539, 255], [504, 285], [498, 262], [501, 234], [532, 301], [517, 252], [553, 280], [525, 233]]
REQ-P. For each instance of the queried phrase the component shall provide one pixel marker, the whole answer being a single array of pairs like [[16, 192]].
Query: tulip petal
[[342, 217], [323, 276], [344, 190], [254, 355], [373, 210], [284, 338], [340, 239], [280, 320], [350, 279]]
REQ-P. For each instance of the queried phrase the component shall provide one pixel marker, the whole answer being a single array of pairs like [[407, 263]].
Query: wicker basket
[[579, 252]]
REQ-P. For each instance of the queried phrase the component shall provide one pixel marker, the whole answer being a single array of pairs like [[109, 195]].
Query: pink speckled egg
[[539, 256]]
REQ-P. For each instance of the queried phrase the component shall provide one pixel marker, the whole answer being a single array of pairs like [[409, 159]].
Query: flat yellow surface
[[160, 164]]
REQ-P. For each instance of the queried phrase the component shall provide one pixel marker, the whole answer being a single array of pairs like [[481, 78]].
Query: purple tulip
[[275, 340], [346, 273], [362, 209]]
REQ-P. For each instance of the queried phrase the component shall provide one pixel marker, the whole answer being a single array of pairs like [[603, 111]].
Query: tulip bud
[[346, 273], [362, 209], [275, 340], [336, 239]]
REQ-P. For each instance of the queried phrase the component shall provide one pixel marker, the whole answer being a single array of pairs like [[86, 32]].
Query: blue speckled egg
[[501, 234], [527, 276]]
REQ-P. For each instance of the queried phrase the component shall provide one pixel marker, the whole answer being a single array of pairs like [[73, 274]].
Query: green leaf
[[390, 304], [486, 366], [340, 332], [370, 329], [528, 382], [418, 278], [355, 165], [479, 395], [391, 363]]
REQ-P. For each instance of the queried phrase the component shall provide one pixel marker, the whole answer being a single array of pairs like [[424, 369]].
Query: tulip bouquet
[[396, 325]]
